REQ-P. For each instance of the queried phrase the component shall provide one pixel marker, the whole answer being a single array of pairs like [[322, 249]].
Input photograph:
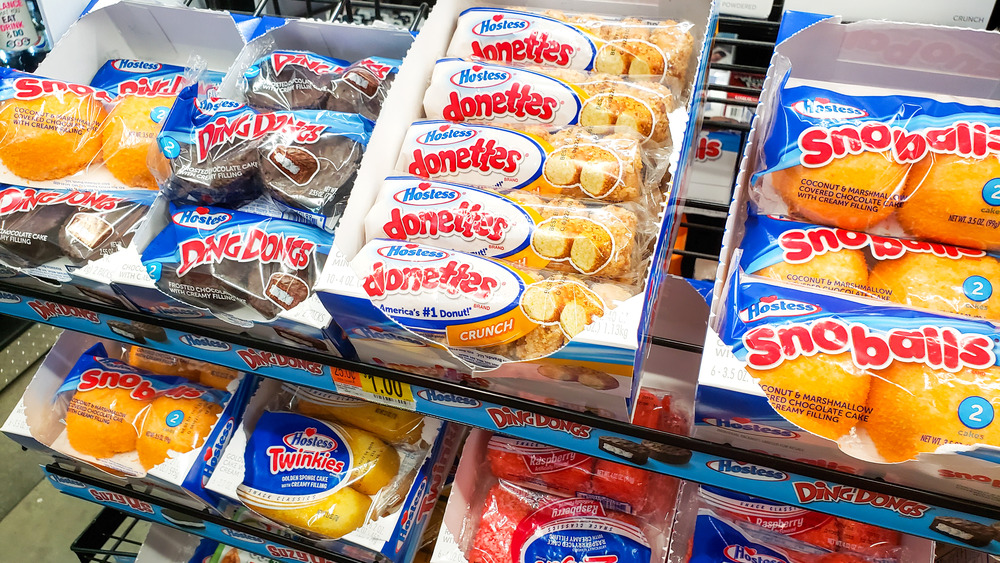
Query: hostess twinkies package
[[293, 80], [583, 42], [221, 152], [926, 275], [47, 230], [87, 403], [464, 90], [606, 164], [486, 312], [887, 383], [915, 165], [144, 93], [336, 470], [559, 233], [515, 500], [821, 530], [245, 265]]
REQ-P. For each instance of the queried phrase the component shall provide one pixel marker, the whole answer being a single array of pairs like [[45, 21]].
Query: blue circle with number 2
[[175, 418], [991, 192], [170, 147], [975, 412], [977, 288]]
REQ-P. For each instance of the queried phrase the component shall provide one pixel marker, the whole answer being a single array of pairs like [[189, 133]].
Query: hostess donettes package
[[926, 275], [559, 233], [605, 164], [486, 311], [463, 90], [872, 160], [576, 41], [242, 264], [886, 383], [222, 152], [515, 500], [328, 467]]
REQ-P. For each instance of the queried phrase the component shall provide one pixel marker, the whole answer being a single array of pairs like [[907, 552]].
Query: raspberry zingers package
[[926, 275], [886, 383], [463, 90], [246, 265], [877, 161], [606, 164], [565, 234], [221, 152], [515, 500], [485, 311], [582, 42]]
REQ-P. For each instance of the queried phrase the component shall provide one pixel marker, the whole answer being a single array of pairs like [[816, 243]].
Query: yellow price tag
[[387, 388]]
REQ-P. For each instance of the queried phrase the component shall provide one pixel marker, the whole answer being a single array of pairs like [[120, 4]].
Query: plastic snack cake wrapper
[[87, 403], [336, 469], [517, 500]]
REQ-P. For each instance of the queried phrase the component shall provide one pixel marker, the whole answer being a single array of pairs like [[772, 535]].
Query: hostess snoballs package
[[294, 80], [876, 161], [721, 538], [576, 41], [486, 311], [584, 237], [162, 363], [129, 420], [221, 152], [329, 467], [144, 92], [466, 90], [820, 530], [515, 500], [47, 229], [886, 383], [925, 275], [605, 164], [245, 265], [40, 118]]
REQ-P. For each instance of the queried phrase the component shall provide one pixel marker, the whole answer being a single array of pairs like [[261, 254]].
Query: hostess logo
[[446, 135], [499, 25], [205, 343], [214, 105], [744, 554], [9, 297], [309, 440], [411, 253], [823, 108], [139, 67], [236, 534], [771, 306], [746, 470], [177, 312], [425, 193], [448, 399], [750, 427], [213, 453], [67, 482], [479, 76], [201, 218], [376, 333]]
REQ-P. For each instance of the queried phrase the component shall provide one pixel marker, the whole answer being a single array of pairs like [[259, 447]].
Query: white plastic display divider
[[897, 507], [203, 524]]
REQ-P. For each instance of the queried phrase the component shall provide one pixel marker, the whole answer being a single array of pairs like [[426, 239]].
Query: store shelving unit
[[706, 462]]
